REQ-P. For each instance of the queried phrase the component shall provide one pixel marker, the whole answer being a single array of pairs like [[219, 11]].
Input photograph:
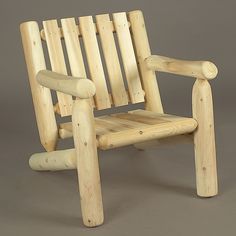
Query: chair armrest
[[78, 87], [197, 69]]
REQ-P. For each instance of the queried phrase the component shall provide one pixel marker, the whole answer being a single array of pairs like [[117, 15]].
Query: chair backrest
[[122, 42]]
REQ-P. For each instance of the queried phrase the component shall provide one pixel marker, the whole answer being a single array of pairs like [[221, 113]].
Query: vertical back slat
[[142, 48], [94, 61], [57, 62], [70, 33], [105, 31], [71, 36], [128, 57]]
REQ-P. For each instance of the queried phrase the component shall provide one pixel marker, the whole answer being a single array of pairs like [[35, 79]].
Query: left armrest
[[78, 87], [197, 69]]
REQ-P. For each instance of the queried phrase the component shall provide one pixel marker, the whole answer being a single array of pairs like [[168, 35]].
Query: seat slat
[[128, 57], [57, 62], [140, 118], [155, 115], [127, 128], [126, 123], [150, 132], [112, 61], [103, 125], [94, 61]]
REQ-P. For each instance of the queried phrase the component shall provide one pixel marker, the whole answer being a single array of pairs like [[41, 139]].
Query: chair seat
[[122, 129]]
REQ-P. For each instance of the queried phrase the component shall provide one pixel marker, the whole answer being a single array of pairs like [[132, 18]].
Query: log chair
[[80, 92]]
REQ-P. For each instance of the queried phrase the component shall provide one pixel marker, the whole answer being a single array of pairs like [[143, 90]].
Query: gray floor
[[145, 193]]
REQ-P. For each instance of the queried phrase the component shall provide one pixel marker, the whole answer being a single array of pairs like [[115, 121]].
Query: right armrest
[[78, 87], [197, 69]]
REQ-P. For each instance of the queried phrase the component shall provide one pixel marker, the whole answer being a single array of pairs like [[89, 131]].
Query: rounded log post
[[204, 140], [42, 99], [87, 161], [142, 48]]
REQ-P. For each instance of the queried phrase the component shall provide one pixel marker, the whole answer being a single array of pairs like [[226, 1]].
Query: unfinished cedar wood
[[131, 78]]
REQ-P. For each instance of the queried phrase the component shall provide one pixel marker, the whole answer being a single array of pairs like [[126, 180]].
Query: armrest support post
[[204, 139]]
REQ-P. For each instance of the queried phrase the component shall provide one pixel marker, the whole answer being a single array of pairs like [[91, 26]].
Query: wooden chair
[[131, 79]]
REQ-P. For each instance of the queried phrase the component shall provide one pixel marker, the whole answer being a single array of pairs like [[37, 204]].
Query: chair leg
[[87, 163], [204, 140]]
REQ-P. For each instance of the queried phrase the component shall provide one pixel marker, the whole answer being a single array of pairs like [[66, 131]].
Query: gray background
[[145, 193]]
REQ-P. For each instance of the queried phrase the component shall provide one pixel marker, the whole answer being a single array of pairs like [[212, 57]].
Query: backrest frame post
[[42, 100], [142, 48]]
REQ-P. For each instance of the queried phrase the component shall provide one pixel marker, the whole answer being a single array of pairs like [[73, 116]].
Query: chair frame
[[84, 156]]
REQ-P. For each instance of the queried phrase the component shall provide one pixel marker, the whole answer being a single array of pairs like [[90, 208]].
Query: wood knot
[[140, 132], [85, 143]]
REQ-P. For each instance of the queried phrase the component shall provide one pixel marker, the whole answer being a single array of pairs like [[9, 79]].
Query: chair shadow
[[45, 216], [114, 209], [58, 218]]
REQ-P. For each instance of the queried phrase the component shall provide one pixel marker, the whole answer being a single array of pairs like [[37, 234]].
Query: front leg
[[204, 140], [87, 163]]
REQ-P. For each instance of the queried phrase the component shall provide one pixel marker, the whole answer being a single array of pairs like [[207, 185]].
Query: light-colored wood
[[131, 136], [70, 32], [204, 140], [142, 128], [94, 61], [197, 69], [42, 99], [57, 160], [78, 87], [123, 121], [66, 159], [61, 30], [87, 162], [142, 48], [57, 109], [144, 114], [57, 60], [140, 118], [159, 124], [129, 128], [103, 125], [128, 57], [112, 61]]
